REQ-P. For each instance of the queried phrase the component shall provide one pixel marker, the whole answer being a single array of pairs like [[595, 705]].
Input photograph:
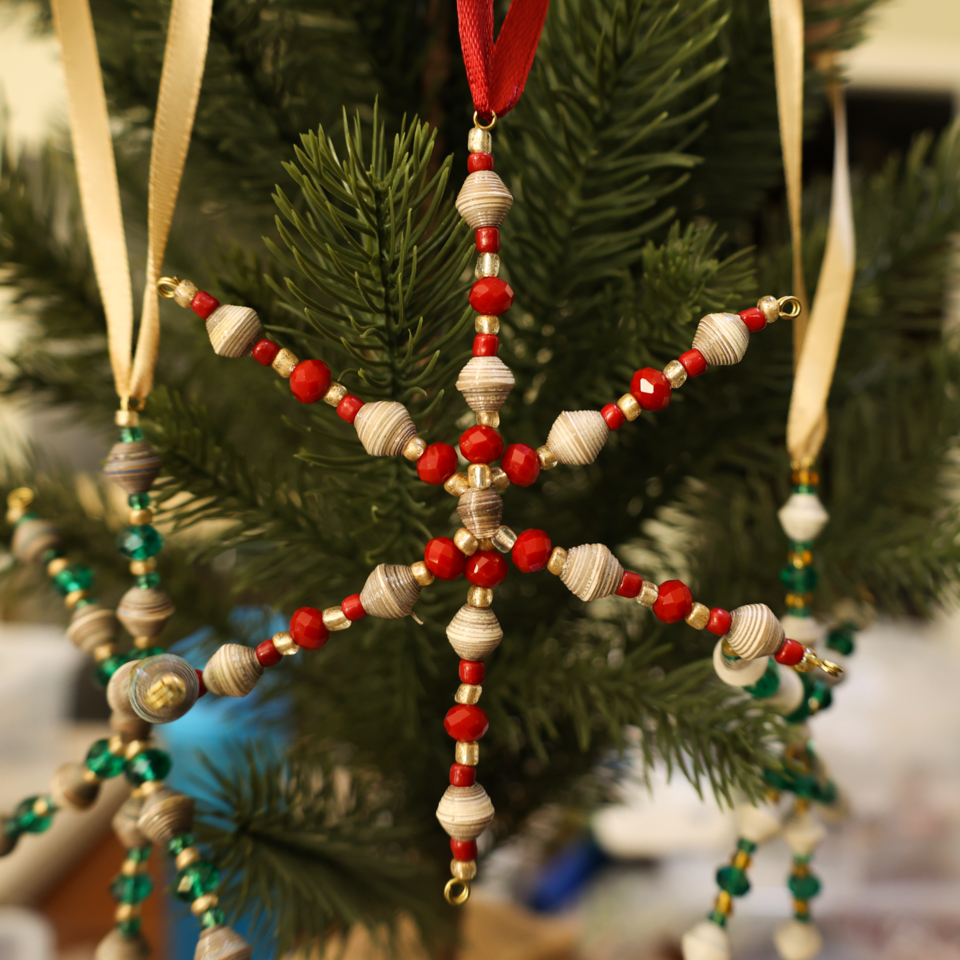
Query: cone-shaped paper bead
[[577, 436], [803, 516], [796, 940], [233, 330], [592, 571], [384, 428], [722, 338], [740, 673], [758, 822], [484, 200], [754, 631], [474, 632], [803, 834], [465, 812], [485, 383], [390, 592], [222, 943], [705, 941], [117, 946]]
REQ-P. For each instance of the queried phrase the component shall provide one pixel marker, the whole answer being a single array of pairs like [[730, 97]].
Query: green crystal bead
[[805, 488], [212, 918], [799, 579], [77, 576], [133, 889], [802, 917], [718, 917], [130, 928], [85, 602], [841, 639], [139, 542], [139, 854], [803, 888], [779, 779], [733, 880], [196, 880], [139, 501], [150, 764], [130, 434], [104, 763], [767, 685], [146, 581], [798, 546], [805, 786], [802, 859], [747, 846], [142, 654], [29, 821], [827, 793], [178, 844], [104, 670]]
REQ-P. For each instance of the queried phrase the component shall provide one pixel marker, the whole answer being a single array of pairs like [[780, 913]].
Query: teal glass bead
[[802, 859], [133, 889], [146, 581], [104, 670], [130, 928], [178, 844], [718, 917], [142, 654], [805, 488], [799, 579], [77, 576], [196, 880], [147, 765], [130, 434], [747, 846], [805, 786], [104, 763], [733, 880], [798, 546], [841, 639], [827, 793], [139, 501], [767, 685], [139, 854], [212, 918], [139, 542], [28, 821], [779, 779], [803, 888]]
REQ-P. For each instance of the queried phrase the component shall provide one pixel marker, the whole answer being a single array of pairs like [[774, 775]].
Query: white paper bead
[[705, 941], [803, 834], [795, 940], [577, 436], [803, 516], [722, 338], [740, 673], [465, 812], [233, 330], [789, 694], [591, 571], [384, 428], [485, 383], [754, 631], [806, 630], [484, 200], [758, 823]]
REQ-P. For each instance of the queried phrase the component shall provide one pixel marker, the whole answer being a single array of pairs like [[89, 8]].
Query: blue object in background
[[565, 874]]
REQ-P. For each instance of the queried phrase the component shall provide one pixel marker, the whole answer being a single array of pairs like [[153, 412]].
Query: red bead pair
[[308, 629]]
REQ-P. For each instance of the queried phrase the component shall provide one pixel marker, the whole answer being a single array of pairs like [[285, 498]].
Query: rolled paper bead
[[740, 673], [484, 200], [474, 632], [129, 726], [465, 812], [69, 787], [790, 693], [481, 511], [165, 814], [133, 466], [222, 943], [91, 626], [592, 571], [233, 330], [754, 631], [803, 516], [163, 688], [577, 436], [803, 834], [384, 428], [233, 671], [125, 822], [485, 382], [806, 630], [722, 339], [706, 941], [32, 539], [797, 940], [391, 591], [116, 945], [118, 690], [145, 612], [758, 822]]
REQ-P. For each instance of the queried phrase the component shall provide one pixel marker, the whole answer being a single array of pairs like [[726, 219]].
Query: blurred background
[[644, 872]]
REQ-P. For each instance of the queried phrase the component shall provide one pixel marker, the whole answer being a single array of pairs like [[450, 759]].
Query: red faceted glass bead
[[349, 407], [754, 319], [488, 240], [462, 776], [486, 568], [521, 464], [531, 551], [444, 558], [472, 671], [650, 388], [203, 686], [719, 622], [479, 161], [437, 464], [630, 585], [203, 304], [308, 629], [790, 653], [481, 444], [614, 416], [310, 380], [491, 296], [265, 352], [268, 654], [693, 362], [463, 849], [352, 608], [485, 345], [674, 601], [465, 721]]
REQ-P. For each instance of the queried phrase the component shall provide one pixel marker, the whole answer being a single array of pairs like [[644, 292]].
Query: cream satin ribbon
[[183, 64], [816, 341]]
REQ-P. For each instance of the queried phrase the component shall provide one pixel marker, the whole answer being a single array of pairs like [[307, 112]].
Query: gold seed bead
[[284, 362], [40, 807], [458, 484], [335, 393], [628, 406], [129, 867], [468, 693], [421, 573], [742, 860], [699, 616], [116, 745], [479, 475], [485, 545], [202, 904], [126, 418], [675, 373], [489, 418], [466, 542], [558, 557], [648, 593], [184, 292], [548, 459], [467, 753], [141, 643], [488, 265], [187, 856], [134, 747], [140, 518], [89, 776], [463, 869], [724, 902], [770, 309], [499, 479], [285, 644], [801, 907], [484, 323], [479, 141], [72, 599], [504, 539], [479, 596], [128, 911], [809, 661], [151, 786], [104, 650], [415, 448], [335, 619], [141, 567], [57, 565]]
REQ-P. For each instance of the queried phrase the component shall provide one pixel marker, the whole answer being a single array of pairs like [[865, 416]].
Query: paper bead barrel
[[591, 571], [166, 814], [754, 632], [706, 941], [233, 671], [578, 436], [474, 632], [92, 626], [796, 940], [484, 200], [233, 330], [69, 788], [740, 673], [384, 428], [118, 690], [133, 466], [391, 591], [722, 338], [485, 383], [163, 688], [481, 511], [222, 943], [145, 612], [803, 516], [32, 539], [117, 946], [465, 812], [125, 821]]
